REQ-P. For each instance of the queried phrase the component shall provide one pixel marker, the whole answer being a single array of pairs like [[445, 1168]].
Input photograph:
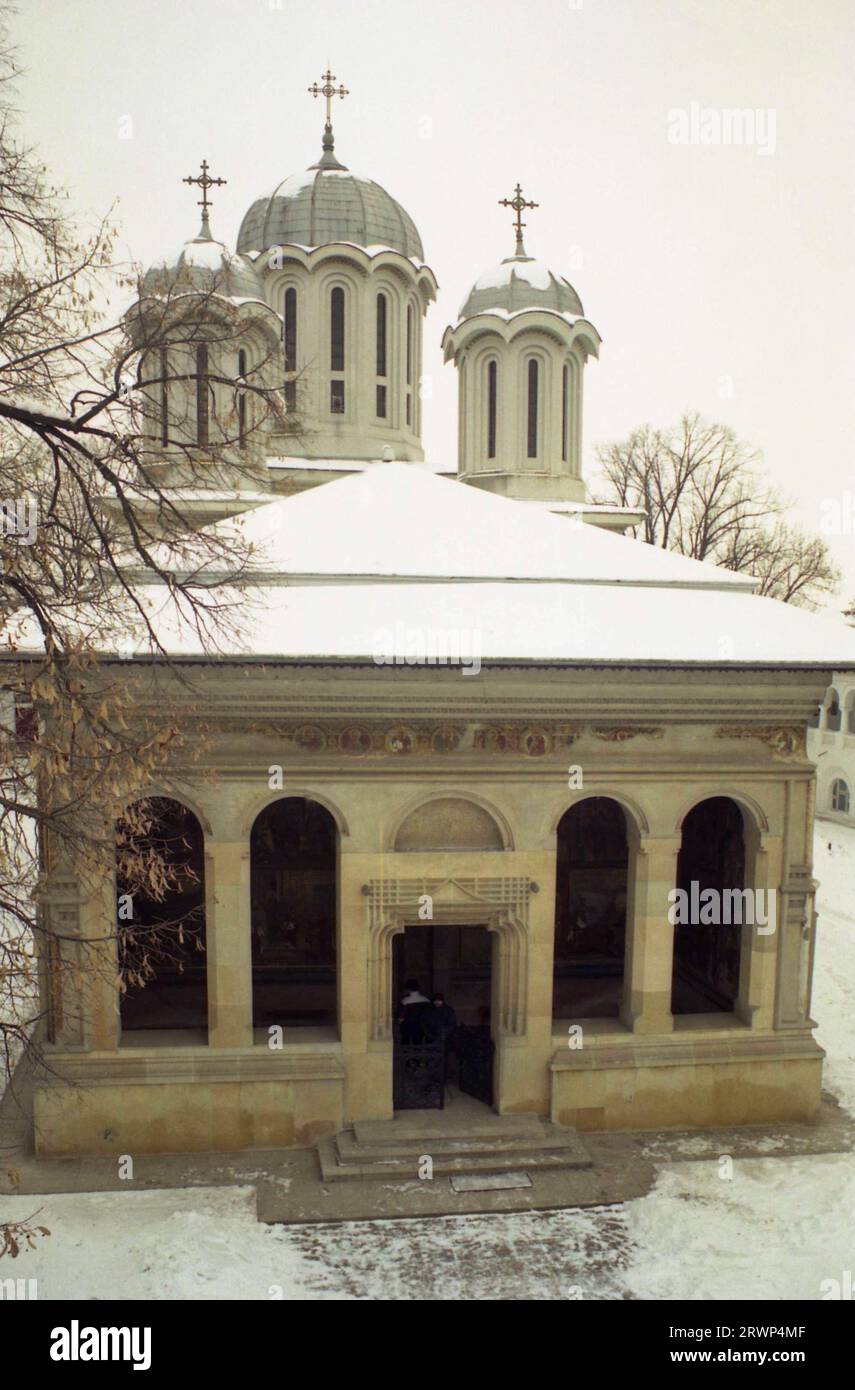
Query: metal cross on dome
[[518, 203], [204, 182], [328, 91]]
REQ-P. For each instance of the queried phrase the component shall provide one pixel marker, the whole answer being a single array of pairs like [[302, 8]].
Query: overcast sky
[[720, 275]]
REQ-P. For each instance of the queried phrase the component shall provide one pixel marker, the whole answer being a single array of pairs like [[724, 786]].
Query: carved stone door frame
[[498, 904]]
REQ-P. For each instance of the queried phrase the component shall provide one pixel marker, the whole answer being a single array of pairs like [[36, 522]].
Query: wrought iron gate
[[419, 1076], [476, 1050]]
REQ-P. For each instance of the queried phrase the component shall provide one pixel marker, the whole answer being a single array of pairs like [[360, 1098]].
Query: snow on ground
[[777, 1229]]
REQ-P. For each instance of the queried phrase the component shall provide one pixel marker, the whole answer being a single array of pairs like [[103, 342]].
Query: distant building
[[831, 744]]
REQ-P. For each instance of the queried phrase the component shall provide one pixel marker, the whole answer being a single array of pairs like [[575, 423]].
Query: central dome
[[329, 203]]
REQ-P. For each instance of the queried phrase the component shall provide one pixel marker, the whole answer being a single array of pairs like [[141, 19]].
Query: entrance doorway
[[455, 961]]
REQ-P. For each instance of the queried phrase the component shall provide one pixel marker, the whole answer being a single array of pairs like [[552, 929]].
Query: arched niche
[[449, 823]]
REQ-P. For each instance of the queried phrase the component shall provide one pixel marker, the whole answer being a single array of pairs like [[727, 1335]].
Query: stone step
[[373, 1167], [453, 1144], [416, 1125]]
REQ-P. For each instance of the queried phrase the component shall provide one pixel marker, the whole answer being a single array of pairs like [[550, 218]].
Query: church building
[[468, 733]]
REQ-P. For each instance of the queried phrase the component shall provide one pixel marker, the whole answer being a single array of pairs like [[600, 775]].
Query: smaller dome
[[207, 267], [518, 283]]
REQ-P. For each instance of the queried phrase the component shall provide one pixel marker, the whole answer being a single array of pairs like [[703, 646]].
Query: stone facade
[[656, 743]]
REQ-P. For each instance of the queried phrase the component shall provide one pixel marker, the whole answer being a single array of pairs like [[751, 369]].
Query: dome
[[329, 203], [207, 267], [521, 282]]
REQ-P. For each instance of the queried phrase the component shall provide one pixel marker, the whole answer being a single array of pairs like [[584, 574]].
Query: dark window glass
[[492, 374], [290, 395], [337, 330], [162, 929], [293, 906], [290, 330], [565, 386], [590, 910], [164, 396], [707, 955], [532, 409], [381, 338], [337, 397], [242, 401], [202, 403], [409, 345], [381, 402], [409, 408]]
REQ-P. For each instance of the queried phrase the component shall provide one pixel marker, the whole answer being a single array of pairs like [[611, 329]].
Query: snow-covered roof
[[401, 521], [518, 283], [580, 624]]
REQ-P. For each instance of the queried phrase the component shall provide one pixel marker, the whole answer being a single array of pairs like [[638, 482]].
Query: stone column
[[646, 1004], [229, 943], [755, 1004]]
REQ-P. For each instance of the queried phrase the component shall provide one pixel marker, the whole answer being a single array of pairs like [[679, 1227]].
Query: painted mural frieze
[[787, 741], [620, 735]]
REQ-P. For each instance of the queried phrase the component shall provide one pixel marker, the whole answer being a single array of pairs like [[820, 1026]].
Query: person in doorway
[[440, 1020], [413, 1007]]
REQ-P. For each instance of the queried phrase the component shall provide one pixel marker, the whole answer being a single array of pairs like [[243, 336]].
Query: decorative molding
[[787, 741], [498, 904]]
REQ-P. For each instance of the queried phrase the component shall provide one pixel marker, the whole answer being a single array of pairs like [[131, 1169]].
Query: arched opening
[[832, 711], [293, 869], [565, 411], [492, 400], [590, 910], [160, 886], [850, 712], [337, 355], [410, 352], [164, 397], [840, 796], [709, 909], [533, 389], [382, 354], [242, 402], [289, 335], [202, 399]]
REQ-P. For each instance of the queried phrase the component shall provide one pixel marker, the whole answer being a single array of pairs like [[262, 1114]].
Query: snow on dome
[[329, 203], [521, 282], [207, 267]]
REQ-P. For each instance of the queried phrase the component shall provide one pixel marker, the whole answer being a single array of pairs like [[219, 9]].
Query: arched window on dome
[[832, 711], [289, 336], [337, 350], [533, 403], [565, 411], [840, 796], [410, 356], [241, 403], [382, 353], [164, 397], [492, 401], [202, 400]]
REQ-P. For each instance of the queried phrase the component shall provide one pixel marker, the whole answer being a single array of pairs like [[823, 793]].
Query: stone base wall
[[188, 1105], [691, 1085]]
